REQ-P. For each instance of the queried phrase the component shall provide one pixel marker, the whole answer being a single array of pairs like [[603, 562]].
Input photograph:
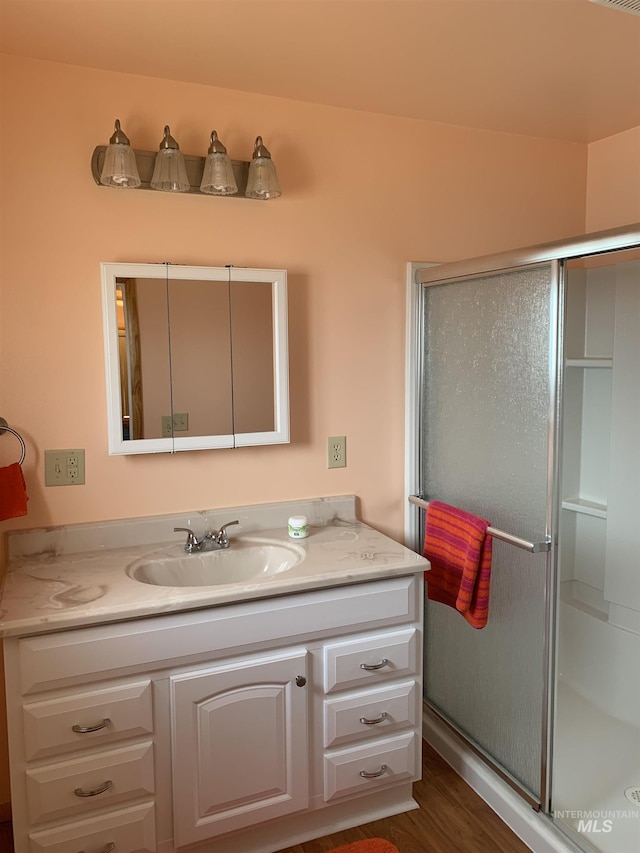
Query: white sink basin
[[247, 560]]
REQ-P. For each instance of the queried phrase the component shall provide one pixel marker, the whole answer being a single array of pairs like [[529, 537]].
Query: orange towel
[[13, 492], [459, 549], [369, 845]]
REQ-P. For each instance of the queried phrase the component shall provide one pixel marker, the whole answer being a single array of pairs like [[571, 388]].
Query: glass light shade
[[169, 171], [262, 181], [119, 168], [218, 177]]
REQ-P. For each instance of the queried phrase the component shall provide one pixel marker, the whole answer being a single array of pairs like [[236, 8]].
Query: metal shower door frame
[[436, 278], [426, 275]]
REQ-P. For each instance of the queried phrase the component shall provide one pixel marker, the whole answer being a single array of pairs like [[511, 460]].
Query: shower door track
[[615, 239]]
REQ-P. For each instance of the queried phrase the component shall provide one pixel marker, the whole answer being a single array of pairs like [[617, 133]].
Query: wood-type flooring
[[452, 818]]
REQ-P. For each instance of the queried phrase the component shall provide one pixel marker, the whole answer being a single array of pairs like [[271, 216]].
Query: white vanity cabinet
[[242, 728]]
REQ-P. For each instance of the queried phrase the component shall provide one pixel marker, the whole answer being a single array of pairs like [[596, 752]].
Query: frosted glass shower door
[[487, 433]]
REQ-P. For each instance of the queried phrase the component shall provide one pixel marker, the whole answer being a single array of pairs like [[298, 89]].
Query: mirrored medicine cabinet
[[196, 357]]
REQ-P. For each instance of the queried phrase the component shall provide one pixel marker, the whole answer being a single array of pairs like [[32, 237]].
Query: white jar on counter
[[298, 526]]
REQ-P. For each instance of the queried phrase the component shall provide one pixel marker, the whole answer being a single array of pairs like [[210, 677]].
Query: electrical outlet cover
[[337, 451], [64, 467]]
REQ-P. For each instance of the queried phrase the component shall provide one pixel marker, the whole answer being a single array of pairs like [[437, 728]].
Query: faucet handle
[[221, 538], [192, 541]]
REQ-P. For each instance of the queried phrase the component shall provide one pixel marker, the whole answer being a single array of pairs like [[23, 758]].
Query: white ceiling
[[562, 69]]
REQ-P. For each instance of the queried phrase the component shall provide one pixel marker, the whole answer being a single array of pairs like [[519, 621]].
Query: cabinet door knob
[[301, 680], [82, 730], [365, 775], [366, 721], [370, 666], [80, 792]]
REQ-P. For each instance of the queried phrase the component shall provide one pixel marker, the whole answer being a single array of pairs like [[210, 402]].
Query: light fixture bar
[[195, 167]]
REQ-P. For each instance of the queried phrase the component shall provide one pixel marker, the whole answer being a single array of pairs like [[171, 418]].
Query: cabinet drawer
[[132, 830], [115, 775], [99, 716], [385, 761], [372, 713], [352, 663]]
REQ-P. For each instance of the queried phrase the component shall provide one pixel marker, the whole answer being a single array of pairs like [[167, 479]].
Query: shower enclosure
[[525, 409]]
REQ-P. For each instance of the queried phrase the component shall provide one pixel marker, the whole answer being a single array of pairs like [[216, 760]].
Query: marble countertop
[[48, 591]]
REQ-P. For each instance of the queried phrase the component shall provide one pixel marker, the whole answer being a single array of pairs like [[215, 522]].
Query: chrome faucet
[[211, 540]]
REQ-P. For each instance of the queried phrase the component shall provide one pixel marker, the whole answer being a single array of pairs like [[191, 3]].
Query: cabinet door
[[239, 744]]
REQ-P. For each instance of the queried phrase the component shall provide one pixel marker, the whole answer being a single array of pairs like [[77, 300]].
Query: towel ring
[[4, 427]]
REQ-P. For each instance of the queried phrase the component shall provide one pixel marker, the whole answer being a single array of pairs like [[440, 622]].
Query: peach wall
[[613, 181], [363, 194]]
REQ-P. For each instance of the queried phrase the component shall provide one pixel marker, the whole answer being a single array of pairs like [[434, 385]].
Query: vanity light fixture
[[262, 181], [218, 177], [169, 170], [119, 168]]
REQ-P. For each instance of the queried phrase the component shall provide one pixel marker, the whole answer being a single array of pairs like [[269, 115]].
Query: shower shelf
[[589, 362], [585, 507]]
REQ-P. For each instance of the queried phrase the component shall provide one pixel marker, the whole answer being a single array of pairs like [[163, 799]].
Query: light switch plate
[[64, 467]]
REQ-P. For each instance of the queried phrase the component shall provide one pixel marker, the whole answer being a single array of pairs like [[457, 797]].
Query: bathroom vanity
[[240, 717]]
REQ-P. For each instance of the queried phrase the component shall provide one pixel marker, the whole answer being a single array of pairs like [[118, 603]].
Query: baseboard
[[297, 828], [533, 828], [5, 812]]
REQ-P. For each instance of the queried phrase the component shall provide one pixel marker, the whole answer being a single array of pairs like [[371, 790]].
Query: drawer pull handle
[[368, 722], [80, 792], [371, 666], [365, 775], [110, 846], [82, 730]]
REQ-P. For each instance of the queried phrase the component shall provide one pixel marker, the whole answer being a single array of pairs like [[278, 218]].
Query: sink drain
[[633, 794]]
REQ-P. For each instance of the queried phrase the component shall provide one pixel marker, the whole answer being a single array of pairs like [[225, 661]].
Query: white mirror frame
[[110, 272]]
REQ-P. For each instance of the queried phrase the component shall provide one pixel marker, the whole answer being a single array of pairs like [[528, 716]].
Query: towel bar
[[4, 427], [532, 547]]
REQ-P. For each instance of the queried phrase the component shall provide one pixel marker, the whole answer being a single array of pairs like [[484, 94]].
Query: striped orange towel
[[459, 549]]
